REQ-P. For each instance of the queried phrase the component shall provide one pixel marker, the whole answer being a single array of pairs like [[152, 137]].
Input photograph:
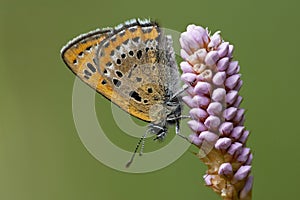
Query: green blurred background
[[41, 155]]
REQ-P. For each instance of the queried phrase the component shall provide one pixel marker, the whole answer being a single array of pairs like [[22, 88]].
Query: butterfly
[[133, 65]]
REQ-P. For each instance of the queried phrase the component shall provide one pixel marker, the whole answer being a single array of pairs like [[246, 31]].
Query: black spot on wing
[[119, 74], [139, 54], [91, 67], [119, 61], [130, 53], [116, 82], [135, 95], [87, 73], [103, 82]]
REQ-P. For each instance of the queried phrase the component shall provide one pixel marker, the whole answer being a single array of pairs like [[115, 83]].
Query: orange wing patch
[[80, 56]]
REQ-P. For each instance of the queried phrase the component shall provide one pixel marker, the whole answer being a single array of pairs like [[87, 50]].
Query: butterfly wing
[[172, 76], [80, 56], [128, 61], [125, 64]]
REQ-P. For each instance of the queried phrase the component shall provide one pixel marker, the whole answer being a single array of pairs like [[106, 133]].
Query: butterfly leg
[[162, 132], [179, 117], [177, 131]]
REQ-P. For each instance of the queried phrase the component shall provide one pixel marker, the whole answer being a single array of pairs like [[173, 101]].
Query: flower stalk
[[217, 121]]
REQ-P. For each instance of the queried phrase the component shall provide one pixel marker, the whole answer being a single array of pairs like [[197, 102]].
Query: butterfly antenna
[[136, 148], [143, 142], [184, 88]]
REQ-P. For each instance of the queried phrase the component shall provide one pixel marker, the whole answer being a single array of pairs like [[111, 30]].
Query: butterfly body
[[133, 65]]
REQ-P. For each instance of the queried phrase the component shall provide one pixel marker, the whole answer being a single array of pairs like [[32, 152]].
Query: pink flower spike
[[189, 101], [247, 188], [185, 44], [191, 27], [198, 33], [229, 113], [230, 51], [201, 54], [235, 148], [223, 64], [233, 68], [244, 136], [206, 75], [212, 122], [190, 91], [188, 77], [241, 174], [214, 108], [239, 115], [207, 179], [217, 121], [184, 54], [231, 96], [196, 126], [208, 136], [243, 157], [223, 143], [195, 139], [242, 121], [202, 88], [238, 85], [226, 128], [249, 160], [198, 114], [225, 169], [219, 78], [238, 101], [201, 101], [215, 40], [223, 49], [219, 94], [237, 132], [190, 43], [186, 67], [211, 58], [232, 81]]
